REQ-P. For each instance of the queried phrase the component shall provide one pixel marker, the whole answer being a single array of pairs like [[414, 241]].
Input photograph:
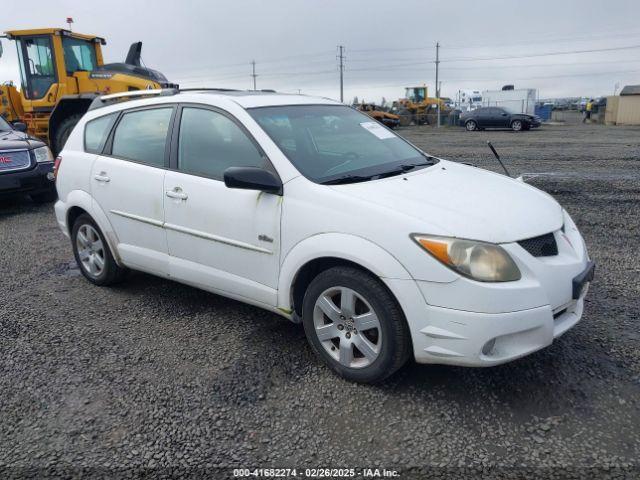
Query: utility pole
[[437, 67], [341, 58], [437, 84], [253, 73]]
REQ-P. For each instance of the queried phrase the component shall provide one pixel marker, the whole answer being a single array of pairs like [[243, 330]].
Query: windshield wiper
[[348, 179], [396, 171]]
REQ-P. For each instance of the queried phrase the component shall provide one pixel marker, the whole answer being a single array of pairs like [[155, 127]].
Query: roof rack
[[112, 98]]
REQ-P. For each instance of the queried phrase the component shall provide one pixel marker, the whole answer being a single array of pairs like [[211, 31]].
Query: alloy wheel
[[90, 250], [348, 327]]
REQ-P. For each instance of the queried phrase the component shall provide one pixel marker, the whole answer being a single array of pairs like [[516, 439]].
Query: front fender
[[337, 245]]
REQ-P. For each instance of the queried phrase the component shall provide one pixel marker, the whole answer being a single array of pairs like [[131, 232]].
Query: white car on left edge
[[307, 208]]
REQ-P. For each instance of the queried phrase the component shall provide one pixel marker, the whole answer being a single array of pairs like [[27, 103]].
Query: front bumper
[[482, 340], [37, 179], [478, 324]]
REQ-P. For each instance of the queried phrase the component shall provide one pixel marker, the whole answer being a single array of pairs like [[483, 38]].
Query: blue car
[[26, 164]]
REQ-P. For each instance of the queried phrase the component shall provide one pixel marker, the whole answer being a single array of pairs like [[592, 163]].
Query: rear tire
[[64, 130], [471, 125], [92, 253], [364, 337]]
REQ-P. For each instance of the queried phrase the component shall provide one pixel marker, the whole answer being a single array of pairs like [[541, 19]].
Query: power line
[[546, 54]]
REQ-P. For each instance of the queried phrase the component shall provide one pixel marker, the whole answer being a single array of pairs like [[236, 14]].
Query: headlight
[[485, 262], [43, 154]]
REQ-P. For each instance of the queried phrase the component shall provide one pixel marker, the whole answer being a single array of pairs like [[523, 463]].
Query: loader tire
[[63, 132]]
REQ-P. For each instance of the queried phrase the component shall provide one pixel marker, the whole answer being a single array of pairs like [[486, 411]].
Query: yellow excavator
[[417, 107], [61, 72]]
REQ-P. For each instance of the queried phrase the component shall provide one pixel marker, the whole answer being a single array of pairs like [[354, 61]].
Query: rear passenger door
[[502, 117], [127, 182], [219, 238]]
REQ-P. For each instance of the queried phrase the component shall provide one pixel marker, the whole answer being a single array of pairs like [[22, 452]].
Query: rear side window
[[210, 142], [96, 133], [141, 136]]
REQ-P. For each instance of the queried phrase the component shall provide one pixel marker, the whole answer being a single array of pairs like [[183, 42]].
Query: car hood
[[13, 139], [466, 202]]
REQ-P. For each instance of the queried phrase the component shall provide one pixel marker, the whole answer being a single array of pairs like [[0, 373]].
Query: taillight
[[56, 166]]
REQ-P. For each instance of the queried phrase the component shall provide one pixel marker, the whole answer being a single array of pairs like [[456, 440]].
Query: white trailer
[[467, 100], [522, 100]]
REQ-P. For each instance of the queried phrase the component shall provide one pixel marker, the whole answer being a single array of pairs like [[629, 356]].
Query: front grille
[[11, 160], [542, 246]]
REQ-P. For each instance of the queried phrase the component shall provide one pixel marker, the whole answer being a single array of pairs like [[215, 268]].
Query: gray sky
[[389, 44]]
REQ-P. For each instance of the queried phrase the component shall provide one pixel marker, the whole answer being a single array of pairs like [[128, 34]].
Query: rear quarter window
[[96, 132]]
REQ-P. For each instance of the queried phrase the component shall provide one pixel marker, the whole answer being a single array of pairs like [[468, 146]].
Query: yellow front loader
[[61, 72], [417, 107]]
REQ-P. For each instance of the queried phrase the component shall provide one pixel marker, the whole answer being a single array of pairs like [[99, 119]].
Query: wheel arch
[[79, 202], [319, 252]]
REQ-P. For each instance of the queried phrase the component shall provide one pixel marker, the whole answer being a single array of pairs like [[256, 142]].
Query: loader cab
[[47, 57], [416, 94]]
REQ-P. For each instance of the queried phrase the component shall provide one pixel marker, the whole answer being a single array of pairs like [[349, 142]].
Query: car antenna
[[495, 154]]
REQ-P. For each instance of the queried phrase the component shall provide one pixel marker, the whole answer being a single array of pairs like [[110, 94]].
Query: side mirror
[[252, 178], [19, 126]]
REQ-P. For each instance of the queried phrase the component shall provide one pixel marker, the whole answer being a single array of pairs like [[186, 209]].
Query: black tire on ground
[[44, 197], [63, 132], [471, 125], [395, 341], [517, 125], [111, 272]]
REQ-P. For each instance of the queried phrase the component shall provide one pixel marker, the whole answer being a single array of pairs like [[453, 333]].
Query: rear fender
[[81, 199]]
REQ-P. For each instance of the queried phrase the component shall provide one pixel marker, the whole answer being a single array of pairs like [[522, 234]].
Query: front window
[[210, 142], [337, 144], [79, 55], [37, 68]]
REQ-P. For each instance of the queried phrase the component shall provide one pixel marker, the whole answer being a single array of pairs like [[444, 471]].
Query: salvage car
[[388, 119], [497, 117], [307, 208], [26, 164]]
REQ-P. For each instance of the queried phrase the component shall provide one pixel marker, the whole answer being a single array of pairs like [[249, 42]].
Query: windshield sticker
[[378, 130]]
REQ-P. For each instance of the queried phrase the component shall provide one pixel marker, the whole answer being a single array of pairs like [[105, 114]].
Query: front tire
[[92, 253], [516, 125], [471, 125], [355, 325]]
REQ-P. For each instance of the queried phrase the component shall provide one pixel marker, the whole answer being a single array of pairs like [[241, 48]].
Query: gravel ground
[[156, 378]]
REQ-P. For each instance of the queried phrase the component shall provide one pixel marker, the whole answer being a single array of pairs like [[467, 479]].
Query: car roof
[[243, 98], [259, 98]]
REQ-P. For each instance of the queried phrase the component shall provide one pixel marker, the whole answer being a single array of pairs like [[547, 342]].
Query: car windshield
[[4, 126], [337, 144]]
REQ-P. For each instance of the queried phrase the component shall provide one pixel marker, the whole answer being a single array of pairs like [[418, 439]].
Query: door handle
[[176, 193], [102, 177]]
